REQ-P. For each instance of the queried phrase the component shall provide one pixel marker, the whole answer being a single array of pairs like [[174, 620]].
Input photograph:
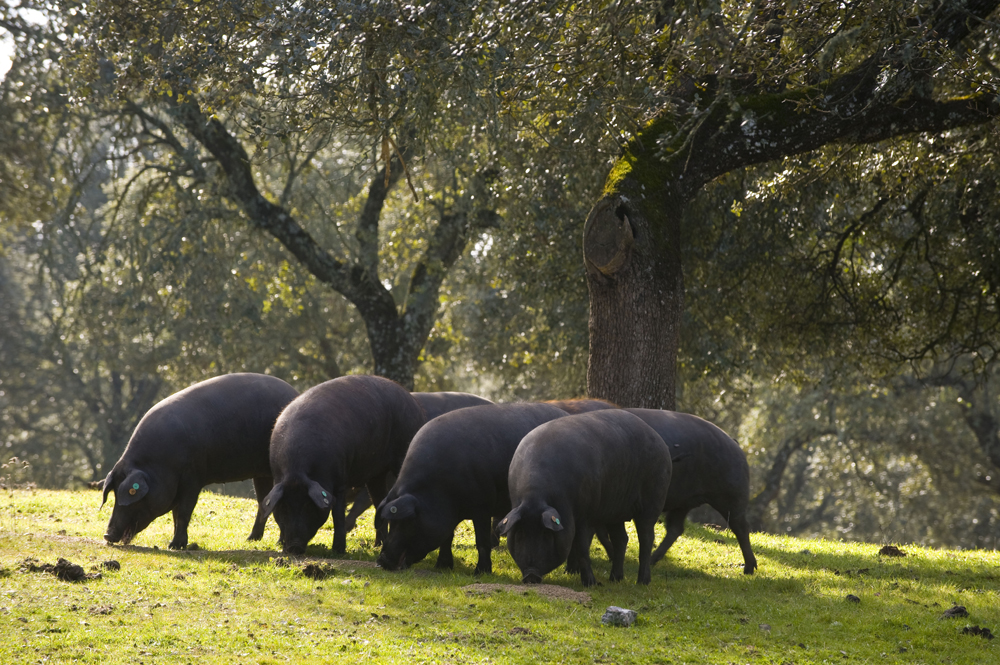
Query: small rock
[[193, 547], [852, 598], [891, 550], [955, 612], [805, 552], [765, 627], [111, 564], [985, 633], [619, 616]]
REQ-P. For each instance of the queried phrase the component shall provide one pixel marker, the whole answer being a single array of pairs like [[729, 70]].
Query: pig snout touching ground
[[574, 475], [216, 431], [349, 432], [456, 469]]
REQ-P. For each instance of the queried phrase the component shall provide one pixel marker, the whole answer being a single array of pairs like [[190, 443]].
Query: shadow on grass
[[871, 564]]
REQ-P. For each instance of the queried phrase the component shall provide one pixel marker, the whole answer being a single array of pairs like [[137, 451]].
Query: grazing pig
[[456, 469], [576, 474], [216, 431], [709, 467], [431, 405], [343, 433], [582, 405]]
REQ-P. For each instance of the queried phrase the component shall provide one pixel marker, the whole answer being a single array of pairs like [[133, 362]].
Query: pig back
[[348, 429], [218, 430]]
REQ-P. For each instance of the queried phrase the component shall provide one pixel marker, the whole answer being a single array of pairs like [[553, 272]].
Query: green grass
[[233, 601]]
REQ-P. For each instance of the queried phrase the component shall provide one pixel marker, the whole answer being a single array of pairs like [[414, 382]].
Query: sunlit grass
[[234, 601]]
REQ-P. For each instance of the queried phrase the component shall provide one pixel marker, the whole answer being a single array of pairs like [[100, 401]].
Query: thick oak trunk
[[636, 300]]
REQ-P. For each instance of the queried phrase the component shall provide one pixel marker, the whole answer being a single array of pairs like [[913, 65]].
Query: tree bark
[[636, 299]]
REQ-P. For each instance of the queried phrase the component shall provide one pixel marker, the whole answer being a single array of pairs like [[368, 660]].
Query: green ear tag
[[555, 519], [135, 486], [324, 493]]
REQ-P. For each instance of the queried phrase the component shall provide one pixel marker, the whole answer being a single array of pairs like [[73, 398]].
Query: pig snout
[[296, 547], [388, 562], [532, 576]]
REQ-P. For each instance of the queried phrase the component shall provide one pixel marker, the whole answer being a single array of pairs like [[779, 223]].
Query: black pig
[[343, 433], [576, 474], [709, 467], [456, 469], [431, 405], [216, 431]]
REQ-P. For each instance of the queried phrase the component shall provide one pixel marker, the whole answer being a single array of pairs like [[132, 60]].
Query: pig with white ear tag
[[576, 474], [348, 432]]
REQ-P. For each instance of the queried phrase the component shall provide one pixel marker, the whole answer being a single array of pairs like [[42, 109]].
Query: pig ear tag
[[393, 509], [134, 487], [554, 519]]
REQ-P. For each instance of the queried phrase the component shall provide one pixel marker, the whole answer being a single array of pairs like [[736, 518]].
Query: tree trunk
[[636, 299]]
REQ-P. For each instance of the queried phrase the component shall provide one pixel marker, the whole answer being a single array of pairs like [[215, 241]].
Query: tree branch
[[362, 289]]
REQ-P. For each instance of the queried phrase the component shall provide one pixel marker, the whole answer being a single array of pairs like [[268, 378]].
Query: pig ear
[[132, 489], [551, 520], [319, 495], [399, 509], [508, 522], [267, 506], [109, 487]]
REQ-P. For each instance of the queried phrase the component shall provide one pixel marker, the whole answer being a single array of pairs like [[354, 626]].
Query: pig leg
[[581, 543], [261, 486], [339, 519], [378, 487], [741, 529], [645, 532], [619, 541], [484, 545], [675, 527], [494, 538], [362, 502], [187, 498], [605, 540], [445, 558]]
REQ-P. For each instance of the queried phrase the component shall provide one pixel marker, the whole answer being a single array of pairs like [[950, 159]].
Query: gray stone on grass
[[619, 616]]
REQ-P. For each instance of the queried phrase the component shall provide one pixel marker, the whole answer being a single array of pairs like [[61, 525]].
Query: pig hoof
[[177, 545], [749, 570]]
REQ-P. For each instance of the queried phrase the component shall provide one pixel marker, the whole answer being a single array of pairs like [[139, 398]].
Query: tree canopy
[[785, 213]]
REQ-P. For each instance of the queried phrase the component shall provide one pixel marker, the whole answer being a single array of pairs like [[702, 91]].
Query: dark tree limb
[[760, 503]]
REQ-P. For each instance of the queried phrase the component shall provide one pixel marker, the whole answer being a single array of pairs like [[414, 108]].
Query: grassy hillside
[[233, 601]]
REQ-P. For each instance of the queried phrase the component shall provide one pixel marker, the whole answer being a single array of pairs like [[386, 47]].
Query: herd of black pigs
[[549, 476]]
